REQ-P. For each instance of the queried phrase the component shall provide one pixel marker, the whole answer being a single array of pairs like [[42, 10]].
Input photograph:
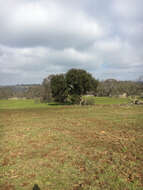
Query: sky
[[43, 37]]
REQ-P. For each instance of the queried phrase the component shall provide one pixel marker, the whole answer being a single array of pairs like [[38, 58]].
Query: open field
[[26, 104], [20, 104], [71, 147]]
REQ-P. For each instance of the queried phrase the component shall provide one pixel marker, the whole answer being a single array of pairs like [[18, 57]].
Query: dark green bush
[[73, 99]]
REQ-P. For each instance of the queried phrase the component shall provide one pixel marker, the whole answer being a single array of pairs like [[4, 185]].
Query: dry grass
[[72, 148]]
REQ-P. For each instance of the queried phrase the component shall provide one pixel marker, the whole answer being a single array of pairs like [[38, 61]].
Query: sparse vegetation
[[71, 147]]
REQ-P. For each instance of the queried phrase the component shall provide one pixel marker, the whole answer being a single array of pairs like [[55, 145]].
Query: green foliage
[[71, 86], [73, 99], [80, 82], [59, 88]]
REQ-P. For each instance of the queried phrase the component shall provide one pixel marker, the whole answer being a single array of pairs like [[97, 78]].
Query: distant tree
[[94, 85], [80, 82], [6, 92], [35, 91], [47, 94], [59, 88], [108, 87], [140, 79], [112, 87]]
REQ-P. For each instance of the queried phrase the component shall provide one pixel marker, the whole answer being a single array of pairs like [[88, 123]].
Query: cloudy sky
[[42, 37]]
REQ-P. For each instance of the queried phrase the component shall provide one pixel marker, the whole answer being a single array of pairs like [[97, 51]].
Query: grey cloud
[[41, 37], [48, 24]]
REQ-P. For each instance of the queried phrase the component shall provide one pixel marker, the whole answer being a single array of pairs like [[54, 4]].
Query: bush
[[73, 99], [88, 100]]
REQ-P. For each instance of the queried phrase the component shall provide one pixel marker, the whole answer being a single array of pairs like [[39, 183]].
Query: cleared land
[[71, 147], [27, 104]]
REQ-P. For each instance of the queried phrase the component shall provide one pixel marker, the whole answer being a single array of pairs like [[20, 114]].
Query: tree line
[[69, 87]]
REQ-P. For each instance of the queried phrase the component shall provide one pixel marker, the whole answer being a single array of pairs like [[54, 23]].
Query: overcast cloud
[[42, 37]]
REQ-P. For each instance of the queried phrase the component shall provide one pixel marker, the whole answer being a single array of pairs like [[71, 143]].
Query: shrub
[[88, 100], [73, 99]]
